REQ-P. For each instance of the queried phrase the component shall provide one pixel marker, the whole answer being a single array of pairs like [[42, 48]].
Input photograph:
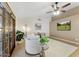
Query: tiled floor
[[19, 51], [75, 54], [56, 49], [59, 49]]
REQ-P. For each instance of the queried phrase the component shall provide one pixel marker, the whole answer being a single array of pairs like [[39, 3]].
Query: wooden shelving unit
[[7, 30]]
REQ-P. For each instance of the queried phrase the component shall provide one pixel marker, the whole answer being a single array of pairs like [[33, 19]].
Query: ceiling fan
[[58, 9]]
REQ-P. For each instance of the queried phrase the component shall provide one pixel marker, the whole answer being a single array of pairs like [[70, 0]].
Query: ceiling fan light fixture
[[56, 13]]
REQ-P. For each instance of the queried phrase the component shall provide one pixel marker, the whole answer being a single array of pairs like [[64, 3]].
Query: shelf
[[1, 28], [6, 35], [0, 47]]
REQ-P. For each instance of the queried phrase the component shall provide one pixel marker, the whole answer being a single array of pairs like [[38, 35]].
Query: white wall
[[70, 35], [31, 22]]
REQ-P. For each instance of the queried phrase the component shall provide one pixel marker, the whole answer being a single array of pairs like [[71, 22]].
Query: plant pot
[[45, 46], [21, 41]]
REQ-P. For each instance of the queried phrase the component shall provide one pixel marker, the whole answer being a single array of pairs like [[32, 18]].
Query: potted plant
[[19, 35], [43, 40]]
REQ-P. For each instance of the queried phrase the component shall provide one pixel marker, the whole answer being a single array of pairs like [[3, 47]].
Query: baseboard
[[65, 41]]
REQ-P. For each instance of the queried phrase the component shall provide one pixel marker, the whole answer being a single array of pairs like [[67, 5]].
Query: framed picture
[[64, 26]]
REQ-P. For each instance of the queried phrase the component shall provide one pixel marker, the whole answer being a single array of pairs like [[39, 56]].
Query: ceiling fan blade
[[49, 12], [66, 5], [63, 10]]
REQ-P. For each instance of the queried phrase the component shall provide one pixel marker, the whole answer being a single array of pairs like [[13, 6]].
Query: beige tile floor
[[19, 51], [56, 49], [59, 49], [75, 53]]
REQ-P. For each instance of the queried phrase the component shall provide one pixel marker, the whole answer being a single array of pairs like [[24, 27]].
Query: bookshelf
[[7, 30]]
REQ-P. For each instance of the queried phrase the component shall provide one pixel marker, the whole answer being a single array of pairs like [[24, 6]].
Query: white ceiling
[[36, 9]]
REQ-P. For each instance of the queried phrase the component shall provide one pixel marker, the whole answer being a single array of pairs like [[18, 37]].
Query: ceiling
[[36, 9]]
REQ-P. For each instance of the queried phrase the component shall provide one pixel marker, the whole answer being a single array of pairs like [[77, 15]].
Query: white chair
[[32, 44]]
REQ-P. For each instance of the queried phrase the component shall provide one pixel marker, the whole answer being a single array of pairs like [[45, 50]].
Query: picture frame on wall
[[64, 25]]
